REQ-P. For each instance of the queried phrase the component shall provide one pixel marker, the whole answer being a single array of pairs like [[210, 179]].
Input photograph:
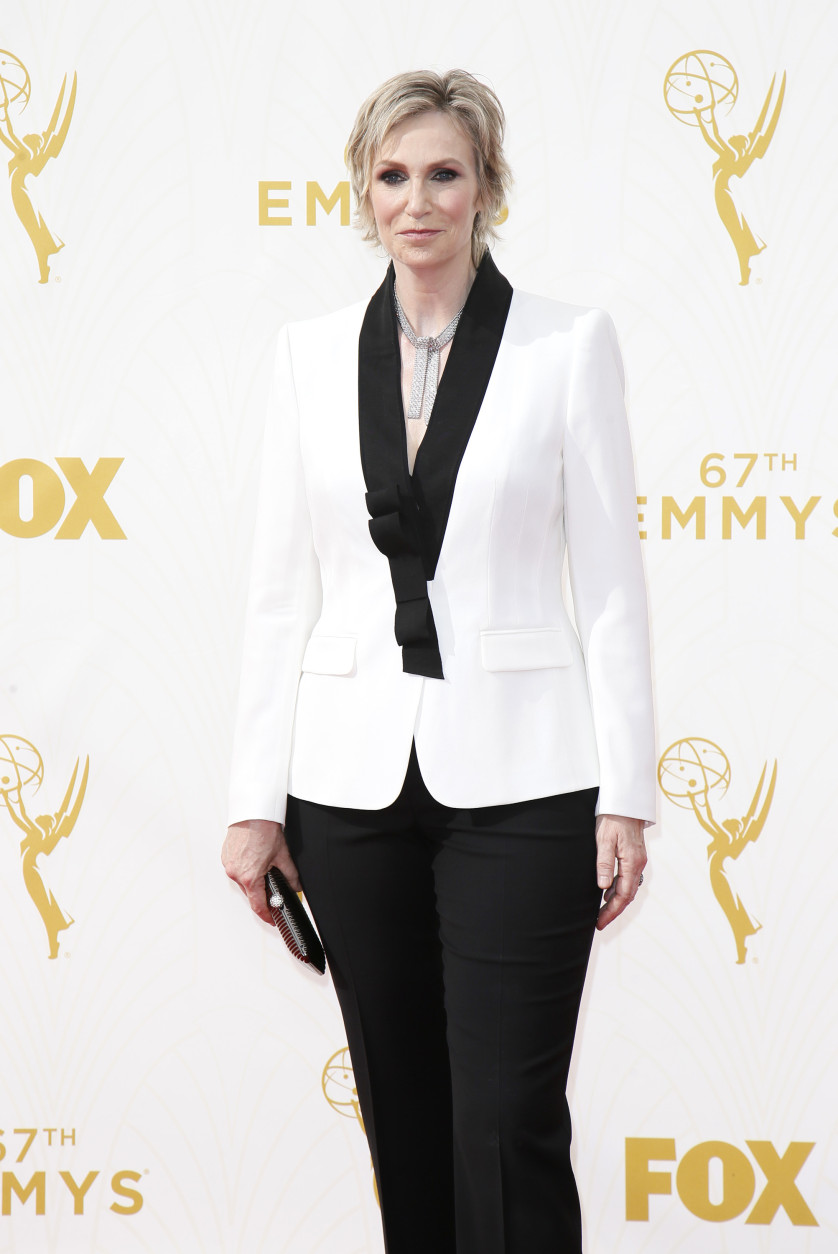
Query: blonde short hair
[[472, 105]]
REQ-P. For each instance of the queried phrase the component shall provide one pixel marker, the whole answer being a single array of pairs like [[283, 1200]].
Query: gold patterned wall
[[172, 191]]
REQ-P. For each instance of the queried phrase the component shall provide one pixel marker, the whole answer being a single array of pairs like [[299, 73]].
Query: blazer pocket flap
[[330, 655], [536, 649]]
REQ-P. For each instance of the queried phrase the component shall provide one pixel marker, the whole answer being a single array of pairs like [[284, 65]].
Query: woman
[[436, 786]]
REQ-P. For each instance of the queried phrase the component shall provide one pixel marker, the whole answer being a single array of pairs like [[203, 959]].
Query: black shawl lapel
[[409, 515], [461, 391]]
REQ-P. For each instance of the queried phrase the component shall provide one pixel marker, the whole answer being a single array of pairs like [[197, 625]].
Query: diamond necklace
[[426, 366]]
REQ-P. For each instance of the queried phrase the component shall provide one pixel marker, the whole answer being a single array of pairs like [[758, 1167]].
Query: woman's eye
[[445, 176], [391, 177]]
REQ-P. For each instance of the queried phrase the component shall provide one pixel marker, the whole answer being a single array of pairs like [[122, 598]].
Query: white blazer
[[526, 708]]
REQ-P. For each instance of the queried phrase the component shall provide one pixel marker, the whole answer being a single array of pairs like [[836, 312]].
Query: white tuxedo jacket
[[525, 708]]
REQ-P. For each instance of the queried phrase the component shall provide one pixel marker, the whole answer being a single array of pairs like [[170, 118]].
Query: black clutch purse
[[295, 927]]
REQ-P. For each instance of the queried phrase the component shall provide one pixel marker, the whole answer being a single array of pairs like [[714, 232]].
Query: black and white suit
[[415, 702]]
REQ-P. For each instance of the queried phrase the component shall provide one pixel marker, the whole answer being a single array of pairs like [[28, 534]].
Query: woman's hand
[[249, 850], [618, 840]]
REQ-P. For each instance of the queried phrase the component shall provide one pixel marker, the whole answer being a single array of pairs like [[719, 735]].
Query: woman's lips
[[424, 234]]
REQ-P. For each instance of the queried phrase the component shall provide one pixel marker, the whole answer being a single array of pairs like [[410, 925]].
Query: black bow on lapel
[[409, 514]]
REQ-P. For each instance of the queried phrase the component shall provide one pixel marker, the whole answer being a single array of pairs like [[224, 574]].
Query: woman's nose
[[417, 198]]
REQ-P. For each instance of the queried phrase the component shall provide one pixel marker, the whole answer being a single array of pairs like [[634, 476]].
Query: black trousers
[[458, 942]]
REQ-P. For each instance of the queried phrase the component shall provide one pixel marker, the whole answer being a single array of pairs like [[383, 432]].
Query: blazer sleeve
[[606, 571], [283, 605]]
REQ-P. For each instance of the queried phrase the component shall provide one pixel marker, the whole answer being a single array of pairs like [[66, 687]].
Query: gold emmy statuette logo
[[30, 153], [338, 1082], [22, 770], [698, 87], [689, 772]]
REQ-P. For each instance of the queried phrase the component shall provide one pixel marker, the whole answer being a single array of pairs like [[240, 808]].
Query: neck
[[430, 299]]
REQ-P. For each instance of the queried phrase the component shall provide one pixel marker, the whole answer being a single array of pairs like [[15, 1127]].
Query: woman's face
[[424, 193]]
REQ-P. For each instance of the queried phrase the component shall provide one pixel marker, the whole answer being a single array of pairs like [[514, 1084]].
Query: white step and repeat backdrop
[[169, 1079]]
